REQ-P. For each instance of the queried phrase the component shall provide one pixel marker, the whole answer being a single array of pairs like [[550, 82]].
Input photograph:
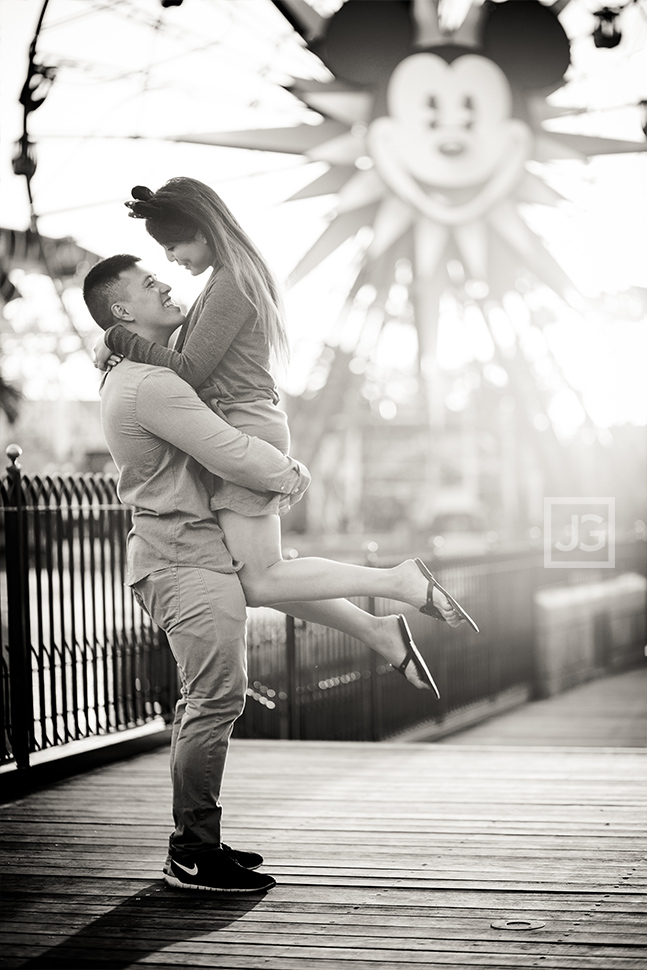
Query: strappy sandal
[[429, 609], [413, 654]]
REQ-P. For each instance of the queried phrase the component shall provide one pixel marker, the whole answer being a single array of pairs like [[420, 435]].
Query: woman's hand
[[104, 359]]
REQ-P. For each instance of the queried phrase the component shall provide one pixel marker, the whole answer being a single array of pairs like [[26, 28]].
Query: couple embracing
[[202, 451]]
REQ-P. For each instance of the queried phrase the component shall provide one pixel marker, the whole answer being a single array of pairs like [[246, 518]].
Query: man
[[167, 445]]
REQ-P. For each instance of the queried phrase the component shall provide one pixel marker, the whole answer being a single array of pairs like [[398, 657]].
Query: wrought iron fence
[[79, 659]]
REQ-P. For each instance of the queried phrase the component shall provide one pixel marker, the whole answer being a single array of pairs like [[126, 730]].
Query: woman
[[224, 350]]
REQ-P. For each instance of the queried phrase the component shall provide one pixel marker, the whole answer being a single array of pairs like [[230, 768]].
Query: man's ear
[[121, 314]]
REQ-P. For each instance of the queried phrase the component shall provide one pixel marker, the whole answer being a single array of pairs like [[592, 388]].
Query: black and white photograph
[[323, 495]]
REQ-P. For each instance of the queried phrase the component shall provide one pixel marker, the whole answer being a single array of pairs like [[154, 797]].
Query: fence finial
[[13, 452]]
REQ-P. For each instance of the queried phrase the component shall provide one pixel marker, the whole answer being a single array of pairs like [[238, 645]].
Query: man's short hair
[[102, 286]]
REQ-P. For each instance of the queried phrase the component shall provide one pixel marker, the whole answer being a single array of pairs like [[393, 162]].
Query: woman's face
[[195, 255]]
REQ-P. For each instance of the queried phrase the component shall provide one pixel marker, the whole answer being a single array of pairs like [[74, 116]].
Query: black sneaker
[[248, 860], [214, 871]]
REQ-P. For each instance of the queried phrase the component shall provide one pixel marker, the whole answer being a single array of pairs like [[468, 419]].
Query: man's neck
[[151, 334]]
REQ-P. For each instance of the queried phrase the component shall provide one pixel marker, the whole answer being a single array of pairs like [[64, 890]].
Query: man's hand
[[104, 359], [304, 479], [302, 483]]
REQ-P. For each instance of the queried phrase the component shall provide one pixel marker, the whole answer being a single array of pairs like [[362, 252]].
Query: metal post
[[20, 686], [375, 698], [294, 731]]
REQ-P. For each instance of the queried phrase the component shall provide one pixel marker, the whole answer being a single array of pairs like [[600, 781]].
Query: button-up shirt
[[167, 444]]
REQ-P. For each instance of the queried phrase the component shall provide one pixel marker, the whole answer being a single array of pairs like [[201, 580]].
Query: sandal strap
[[403, 666], [430, 608]]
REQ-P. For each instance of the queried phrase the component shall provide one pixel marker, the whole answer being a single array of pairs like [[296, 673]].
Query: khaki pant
[[203, 615]]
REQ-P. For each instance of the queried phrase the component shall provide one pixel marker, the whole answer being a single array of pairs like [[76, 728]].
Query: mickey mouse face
[[449, 128], [450, 125]]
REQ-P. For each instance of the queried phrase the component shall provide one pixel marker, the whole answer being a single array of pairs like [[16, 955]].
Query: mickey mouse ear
[[366, 39], [142, 193], [527, 41]]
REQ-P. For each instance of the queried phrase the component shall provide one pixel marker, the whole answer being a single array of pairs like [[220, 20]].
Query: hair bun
[[142, 193]]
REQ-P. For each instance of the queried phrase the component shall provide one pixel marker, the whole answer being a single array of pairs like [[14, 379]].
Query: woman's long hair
[[184, 206]]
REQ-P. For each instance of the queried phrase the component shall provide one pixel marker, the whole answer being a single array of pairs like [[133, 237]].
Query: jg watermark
[[579, 532]]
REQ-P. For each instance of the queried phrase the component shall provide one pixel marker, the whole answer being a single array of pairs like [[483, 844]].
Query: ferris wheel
[[430, 130]]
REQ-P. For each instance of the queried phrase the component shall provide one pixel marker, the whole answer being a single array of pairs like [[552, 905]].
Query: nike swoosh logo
[[191, 872]]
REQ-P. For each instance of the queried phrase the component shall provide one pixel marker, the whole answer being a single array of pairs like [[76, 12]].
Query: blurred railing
[[79, 659], [310, 682]]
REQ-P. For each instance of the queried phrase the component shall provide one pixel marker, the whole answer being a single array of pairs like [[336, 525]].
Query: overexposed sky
[[205, 66]]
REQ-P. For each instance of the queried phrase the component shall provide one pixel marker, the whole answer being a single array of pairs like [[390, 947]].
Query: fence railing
[[79, 658]]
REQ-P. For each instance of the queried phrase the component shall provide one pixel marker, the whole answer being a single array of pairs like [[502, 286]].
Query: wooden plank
[[288, 899], [157, 925], [442, 856], [296, 956], [145, 937], [120, 889], [493, 846]]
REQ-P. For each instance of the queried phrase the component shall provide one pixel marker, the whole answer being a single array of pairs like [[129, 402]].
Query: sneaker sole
[[167, 870], [178, 884]]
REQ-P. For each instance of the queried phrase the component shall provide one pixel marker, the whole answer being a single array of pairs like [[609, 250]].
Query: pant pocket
[[140, 599], [158, 595]]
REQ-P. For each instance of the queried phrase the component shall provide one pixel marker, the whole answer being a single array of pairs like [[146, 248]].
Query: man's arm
[[170, 409], [224, 312]]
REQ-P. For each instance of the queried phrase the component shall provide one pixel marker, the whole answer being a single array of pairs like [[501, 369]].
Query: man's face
[[147, 302]]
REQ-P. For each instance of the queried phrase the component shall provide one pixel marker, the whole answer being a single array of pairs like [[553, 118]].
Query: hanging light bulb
[[643, 116], [24, 161], [607, 32]]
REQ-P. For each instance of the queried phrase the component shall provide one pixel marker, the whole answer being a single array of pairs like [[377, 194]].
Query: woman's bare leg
[[380, 633], [268, 579]]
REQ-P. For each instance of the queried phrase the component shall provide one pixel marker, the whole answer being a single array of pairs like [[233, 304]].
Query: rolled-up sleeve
[[169, 408]]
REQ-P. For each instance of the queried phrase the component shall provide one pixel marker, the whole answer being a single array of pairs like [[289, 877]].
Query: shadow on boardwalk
[[519, 843], [131, 931]]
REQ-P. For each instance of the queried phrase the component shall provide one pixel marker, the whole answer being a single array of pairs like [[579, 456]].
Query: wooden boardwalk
[[387, 856]]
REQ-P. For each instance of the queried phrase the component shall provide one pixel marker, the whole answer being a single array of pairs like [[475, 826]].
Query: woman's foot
[[413, 588], [388, 642]]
